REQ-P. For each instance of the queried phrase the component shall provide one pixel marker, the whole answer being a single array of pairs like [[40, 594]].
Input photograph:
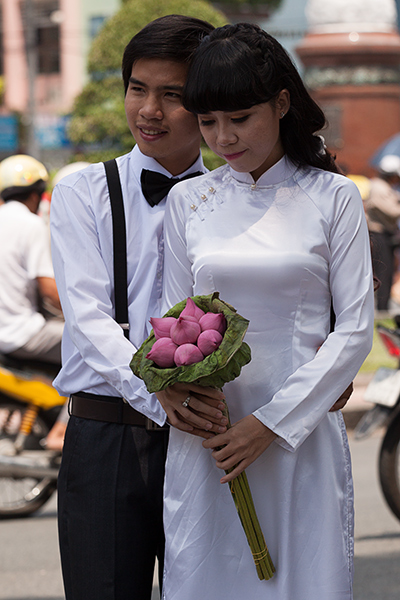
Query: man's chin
[[151, 152]]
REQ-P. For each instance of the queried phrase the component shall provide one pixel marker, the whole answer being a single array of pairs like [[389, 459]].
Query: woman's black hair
[[238, 66], [173, 37]]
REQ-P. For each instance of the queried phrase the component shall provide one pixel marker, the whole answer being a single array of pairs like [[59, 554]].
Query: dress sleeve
[[85, 292], [308, 394]]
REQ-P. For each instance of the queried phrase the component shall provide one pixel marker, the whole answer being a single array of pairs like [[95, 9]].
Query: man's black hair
[[173, 37], [22, 193]]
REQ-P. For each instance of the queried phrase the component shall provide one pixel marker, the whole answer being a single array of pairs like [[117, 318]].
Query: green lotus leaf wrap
[[214, 370]]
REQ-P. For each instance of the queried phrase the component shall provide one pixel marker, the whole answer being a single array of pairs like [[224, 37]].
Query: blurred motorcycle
[[29, 407], [384, 392]]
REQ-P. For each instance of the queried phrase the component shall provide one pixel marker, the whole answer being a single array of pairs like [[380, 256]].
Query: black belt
[[110, 409]]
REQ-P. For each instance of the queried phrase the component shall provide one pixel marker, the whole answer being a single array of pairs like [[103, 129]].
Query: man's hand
[[236, 449], [342, 401], [194, 409]]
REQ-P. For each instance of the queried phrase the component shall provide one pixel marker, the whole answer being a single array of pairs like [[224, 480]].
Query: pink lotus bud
[[185, 330], [162, 352], [192, 310], [162, 326], [215, 321], [208, 341], [187, 354]]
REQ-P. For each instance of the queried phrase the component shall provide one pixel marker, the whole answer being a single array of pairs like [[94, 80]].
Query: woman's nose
[[225, 136]]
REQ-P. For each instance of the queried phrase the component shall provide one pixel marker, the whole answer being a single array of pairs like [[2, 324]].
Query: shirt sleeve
[[86, 291], [178, 278], [309, 393]]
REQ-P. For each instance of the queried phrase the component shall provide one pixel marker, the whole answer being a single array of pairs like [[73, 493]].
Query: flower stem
[[242, 497]]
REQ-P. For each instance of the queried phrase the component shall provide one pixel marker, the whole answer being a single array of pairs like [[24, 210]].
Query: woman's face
[[248, 139]]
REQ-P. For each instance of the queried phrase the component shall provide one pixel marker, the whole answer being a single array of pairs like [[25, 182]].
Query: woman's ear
[[283, 102]]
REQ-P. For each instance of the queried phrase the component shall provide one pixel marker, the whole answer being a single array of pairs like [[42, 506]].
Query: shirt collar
[[141, 161], [280, 171]]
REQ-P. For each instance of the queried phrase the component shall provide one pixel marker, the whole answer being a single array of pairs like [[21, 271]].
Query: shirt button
[[253, 186]]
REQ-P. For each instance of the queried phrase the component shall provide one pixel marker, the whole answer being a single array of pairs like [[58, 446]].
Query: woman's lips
[[234, 155]]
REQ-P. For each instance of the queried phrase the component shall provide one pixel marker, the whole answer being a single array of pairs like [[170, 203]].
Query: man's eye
[[173, 95], [136, 89], [240, 119]]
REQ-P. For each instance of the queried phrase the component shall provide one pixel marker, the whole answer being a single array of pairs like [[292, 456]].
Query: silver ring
[[185, 403]]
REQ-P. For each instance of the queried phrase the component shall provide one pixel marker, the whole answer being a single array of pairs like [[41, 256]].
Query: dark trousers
[[110, 502], [383, 264]]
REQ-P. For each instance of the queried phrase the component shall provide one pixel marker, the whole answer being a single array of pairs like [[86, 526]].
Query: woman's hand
[[194, 409], [236, 449]]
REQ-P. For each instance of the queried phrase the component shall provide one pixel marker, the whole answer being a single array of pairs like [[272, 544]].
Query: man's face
[[162, 128]]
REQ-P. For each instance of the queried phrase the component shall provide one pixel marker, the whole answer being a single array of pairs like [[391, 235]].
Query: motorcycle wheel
[[21, 496], [389, 464]]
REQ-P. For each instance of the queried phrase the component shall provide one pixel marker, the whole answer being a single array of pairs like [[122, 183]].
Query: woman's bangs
[[218, 80], [216, 93]]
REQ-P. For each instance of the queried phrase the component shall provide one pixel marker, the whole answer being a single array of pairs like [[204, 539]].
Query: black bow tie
[[155, 186]]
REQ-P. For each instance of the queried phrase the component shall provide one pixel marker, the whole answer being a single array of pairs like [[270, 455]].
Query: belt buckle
[[150, 425]]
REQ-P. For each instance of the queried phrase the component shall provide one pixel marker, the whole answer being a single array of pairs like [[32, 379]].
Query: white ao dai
[[280, 251]]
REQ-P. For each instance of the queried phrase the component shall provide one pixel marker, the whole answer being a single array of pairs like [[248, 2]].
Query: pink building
[[61, 32]]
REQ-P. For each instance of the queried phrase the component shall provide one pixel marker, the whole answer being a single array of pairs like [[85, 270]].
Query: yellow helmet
[[20, 174], [363, 184]]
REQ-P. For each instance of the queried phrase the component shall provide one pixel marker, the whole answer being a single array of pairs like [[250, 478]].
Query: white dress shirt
[[95, 353], [24, 256]]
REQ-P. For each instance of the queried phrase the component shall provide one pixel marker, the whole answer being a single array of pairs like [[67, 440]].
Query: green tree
[[268, 4], [98, 126]]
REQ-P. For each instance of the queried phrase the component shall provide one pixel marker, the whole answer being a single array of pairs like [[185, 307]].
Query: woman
[[282, 237]]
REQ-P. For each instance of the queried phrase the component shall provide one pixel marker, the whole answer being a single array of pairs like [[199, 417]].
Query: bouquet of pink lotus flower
[[181, 349], [200, 340], [187, 339]]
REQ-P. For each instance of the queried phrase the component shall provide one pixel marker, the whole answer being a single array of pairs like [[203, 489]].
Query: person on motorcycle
[[27, 281], [382, 209]]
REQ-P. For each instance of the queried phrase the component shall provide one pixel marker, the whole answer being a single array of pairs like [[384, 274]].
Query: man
[[26, 272], [110, 483], [111, 479]]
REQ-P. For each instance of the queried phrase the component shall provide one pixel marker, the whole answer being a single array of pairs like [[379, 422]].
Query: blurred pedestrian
[[382, 208], [28, 292]]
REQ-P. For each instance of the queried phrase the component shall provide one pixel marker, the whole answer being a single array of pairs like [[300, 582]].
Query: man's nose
[[151, 108]]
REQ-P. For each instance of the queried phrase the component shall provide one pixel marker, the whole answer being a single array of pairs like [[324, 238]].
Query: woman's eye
[[240, 119], [204, 123]]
